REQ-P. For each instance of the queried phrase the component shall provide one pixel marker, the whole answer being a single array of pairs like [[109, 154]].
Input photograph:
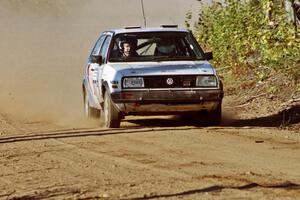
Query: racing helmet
[[131, 41], [122, 42], [165, 46]]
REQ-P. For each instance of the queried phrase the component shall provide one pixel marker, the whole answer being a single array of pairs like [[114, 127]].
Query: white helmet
[[165, 47]]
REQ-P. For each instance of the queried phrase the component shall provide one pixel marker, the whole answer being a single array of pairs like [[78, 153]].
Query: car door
[[103, 53], [92, 69]]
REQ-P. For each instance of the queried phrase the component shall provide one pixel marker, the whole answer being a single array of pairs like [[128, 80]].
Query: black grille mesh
[[179, 81]]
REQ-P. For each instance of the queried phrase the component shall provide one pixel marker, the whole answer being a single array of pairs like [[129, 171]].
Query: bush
[[249, 36]]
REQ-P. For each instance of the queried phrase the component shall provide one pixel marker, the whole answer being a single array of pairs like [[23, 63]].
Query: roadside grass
[[256, 52]]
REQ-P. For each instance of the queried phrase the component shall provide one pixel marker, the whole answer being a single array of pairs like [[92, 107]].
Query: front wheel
[[215, 116], [111, 116]]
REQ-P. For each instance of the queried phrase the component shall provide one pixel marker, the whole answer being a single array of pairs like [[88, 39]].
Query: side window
[[104, 48], [98, 45]]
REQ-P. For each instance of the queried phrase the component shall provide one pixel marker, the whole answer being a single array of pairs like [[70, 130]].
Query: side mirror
[[96, 59], [208, 55]]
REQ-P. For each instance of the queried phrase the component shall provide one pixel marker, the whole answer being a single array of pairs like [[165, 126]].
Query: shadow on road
[[284, 118], [287, 117], [175, 121], [219, 188]]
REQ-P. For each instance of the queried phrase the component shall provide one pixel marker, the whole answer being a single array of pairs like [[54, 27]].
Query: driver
[[127, 49]]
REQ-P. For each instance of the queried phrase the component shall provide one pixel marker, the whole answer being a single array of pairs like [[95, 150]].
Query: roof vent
[[169, 26], [131, 27]]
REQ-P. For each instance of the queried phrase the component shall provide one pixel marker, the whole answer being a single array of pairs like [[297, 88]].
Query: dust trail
[[44, 45], [41, 59]]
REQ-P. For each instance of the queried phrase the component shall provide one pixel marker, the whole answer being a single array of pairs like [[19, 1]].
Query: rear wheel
[[111, 116], [89, 111]]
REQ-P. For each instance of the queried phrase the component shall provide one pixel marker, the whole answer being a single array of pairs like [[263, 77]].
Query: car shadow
[[174, 121], [285, 118], [282, 119]]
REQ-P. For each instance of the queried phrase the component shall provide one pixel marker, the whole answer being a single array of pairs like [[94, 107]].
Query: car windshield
[[154, 46]]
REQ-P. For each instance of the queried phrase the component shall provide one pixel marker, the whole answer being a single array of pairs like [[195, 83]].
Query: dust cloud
[[44, 45]]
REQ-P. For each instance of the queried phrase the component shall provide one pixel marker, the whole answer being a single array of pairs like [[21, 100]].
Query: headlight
[[135, 82], [206, 81]]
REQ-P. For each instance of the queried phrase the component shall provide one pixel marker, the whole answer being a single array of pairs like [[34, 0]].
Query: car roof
[[144, 30]]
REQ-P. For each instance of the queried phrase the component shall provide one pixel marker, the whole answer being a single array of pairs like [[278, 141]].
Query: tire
[[111, 116], [89, 111], [215, 116]]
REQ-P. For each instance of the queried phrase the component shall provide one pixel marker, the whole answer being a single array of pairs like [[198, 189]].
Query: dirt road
[[48, 152], [169, 158]]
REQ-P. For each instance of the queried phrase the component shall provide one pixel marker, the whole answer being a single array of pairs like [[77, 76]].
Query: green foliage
[[188, 17], [250, 35]]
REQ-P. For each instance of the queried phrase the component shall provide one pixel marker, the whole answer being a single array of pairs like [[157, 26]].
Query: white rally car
[[150, 71]]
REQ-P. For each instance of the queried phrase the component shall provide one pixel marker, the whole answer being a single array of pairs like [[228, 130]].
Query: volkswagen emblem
[[170, 81]]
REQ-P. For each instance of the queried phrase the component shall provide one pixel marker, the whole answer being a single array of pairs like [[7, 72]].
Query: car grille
[[175, 81]]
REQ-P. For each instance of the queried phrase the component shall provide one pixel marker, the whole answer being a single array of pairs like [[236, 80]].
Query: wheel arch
[[104, 88]]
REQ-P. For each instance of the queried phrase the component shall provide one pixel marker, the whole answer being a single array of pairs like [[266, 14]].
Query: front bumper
[[167, 101]]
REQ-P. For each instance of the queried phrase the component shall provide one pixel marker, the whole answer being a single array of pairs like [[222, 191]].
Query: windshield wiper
[[161, 58], [123, 59], [172, 58]]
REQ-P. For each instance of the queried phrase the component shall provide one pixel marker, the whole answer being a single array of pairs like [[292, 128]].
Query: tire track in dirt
[[26, 175], [221, 187], [80, 133], [71, 153], [121, 161], [158, 162]]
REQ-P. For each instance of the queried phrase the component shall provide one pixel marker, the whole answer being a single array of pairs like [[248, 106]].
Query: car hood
[[164, 68]]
